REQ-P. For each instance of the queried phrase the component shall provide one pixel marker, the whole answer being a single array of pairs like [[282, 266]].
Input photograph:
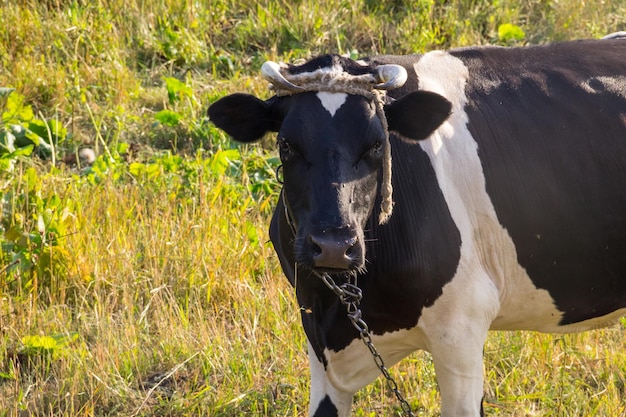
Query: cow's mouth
[[354, 270]]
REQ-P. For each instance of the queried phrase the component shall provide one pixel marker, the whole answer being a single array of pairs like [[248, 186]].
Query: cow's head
[[334, 147]]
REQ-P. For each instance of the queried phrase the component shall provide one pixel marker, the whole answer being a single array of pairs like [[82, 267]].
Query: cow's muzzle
[[336, 250]]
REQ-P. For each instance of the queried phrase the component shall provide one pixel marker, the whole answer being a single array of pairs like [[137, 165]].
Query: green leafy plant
[[33, 226], [108, 166], [180, 118], [178, 44], [509, 33], [50, 346], [21, 133]]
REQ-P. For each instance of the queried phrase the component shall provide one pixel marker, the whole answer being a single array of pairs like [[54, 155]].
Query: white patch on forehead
[[332, 101], [602, 84], [488, 263]]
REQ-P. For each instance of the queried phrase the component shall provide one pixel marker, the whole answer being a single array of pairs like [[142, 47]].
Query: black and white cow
[[509, 190]]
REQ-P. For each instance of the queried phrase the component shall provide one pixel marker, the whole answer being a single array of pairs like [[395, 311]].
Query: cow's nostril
[[353, 250], [316, 250], [333, 252]]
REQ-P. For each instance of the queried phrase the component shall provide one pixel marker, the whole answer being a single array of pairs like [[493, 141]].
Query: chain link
[[350, 296]]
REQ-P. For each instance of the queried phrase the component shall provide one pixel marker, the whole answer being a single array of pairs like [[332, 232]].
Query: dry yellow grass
[[162, 296]]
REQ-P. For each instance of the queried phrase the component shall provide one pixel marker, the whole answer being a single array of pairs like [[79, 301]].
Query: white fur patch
[[614, 85], [488, 255], [321, 387], [353, 367], [332, 101]]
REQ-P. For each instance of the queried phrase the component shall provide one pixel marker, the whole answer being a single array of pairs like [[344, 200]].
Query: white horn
[[390, 76], [271, 72]]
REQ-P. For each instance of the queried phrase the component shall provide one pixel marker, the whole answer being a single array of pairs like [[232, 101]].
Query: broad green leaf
[[176, 89], [17, 110], [251, 232], [39, 342], [222, 159], [21, 136], [33, 180], [136, 168], [508, 32], [122, 148], [59, 132], [4, 375], [52, 129], [13, 233], [39, 128], [5, 91], [24, 151], [168, 117], [7, 141]]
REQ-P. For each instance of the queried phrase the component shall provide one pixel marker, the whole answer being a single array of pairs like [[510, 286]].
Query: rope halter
[[371, 85]]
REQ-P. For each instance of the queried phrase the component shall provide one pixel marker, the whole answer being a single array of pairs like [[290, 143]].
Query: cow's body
[[510, 216]]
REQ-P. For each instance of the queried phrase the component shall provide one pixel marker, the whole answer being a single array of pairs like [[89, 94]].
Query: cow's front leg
[[456, 328], [459, 370], [325, 399]]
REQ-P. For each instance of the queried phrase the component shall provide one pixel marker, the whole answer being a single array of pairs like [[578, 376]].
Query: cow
[[475, 189]]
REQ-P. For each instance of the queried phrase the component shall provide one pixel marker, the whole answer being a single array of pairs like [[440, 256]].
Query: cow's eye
[[290, 153], [376, 149], [374, 153]]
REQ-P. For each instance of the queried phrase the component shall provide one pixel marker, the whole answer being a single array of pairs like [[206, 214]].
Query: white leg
[[456, 328], [326, 400], [459, 370]]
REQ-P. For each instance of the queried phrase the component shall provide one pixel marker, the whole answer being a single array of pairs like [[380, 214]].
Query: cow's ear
[[417, 115], [244, 117]]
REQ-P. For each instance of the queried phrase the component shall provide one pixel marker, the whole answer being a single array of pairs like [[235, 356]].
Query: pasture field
[[145, 285]]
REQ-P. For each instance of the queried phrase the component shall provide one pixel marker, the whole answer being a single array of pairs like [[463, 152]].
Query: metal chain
[[350, 296]]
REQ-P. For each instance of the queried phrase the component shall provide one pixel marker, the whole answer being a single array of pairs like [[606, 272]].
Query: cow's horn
[[390, 76], [271, 72]]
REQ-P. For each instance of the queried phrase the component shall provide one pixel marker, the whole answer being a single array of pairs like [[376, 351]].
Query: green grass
[[145, 285]]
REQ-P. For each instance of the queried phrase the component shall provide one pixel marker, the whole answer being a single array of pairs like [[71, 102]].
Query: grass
[[147, 294], [145, 285]]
